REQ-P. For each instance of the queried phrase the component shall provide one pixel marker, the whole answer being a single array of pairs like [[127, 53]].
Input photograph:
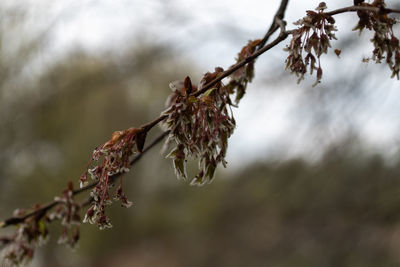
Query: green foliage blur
[[342, 210]]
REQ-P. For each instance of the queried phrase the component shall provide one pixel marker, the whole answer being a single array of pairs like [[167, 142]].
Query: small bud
[[321, 7], [187, 86]]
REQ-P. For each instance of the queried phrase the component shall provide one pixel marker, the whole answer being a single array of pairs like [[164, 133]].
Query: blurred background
[[313, 177]]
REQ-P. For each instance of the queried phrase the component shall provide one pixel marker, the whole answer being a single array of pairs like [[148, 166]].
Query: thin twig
[[48, 206], [280, 14], [148, 126], [362, 8]]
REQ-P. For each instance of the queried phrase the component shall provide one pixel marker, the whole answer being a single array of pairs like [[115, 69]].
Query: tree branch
[[278, 23], [362, 8], [262, 48], [50, 205], [280, 14]]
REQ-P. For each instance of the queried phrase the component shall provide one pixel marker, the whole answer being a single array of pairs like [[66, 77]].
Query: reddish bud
[[187, 86], [140, 140], [70, 186]]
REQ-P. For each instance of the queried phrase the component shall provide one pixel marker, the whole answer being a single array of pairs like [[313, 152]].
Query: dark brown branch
[[280, 14], [47, 207], [277, 23], [136, 158], [18, 220], [362, 8], [147, 127], [282, 36]]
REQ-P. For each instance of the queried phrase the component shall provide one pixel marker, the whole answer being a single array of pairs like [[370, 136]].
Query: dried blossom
[[309, 42], [200, 127], [33, 231], [386, 44], [69, 214], [113, 158], [200, 124], [29, 234]]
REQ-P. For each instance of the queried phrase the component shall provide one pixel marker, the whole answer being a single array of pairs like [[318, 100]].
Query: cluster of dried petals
[[386, 44], [200, 127], [31, 233], [112, 158], [69, 213], [309, 41]]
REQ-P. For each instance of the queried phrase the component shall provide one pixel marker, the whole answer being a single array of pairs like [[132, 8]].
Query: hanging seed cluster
[[386, 44], [310, 40], [200, 124], [316, 30]]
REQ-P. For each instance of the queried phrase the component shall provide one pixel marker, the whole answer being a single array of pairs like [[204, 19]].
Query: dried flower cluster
[[200, 123], [69, 214], [199, 120], [312, 38], [33, 231], [316, 30], [200, 127], [113, 158], [386, 45]]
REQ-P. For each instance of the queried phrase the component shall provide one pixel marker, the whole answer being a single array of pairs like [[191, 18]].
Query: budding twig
[[277, 23], [261, 47]]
